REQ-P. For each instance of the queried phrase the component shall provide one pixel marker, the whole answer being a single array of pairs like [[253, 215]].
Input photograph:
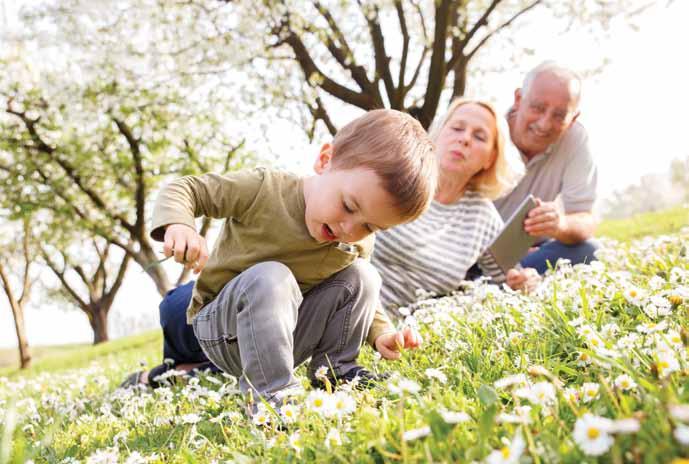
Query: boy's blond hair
[[499, 177], [398, 149]]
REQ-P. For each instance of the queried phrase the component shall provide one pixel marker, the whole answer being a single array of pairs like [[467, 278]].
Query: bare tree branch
[[382, 59]]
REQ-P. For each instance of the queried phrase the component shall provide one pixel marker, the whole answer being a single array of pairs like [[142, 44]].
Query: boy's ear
[[324, 159]]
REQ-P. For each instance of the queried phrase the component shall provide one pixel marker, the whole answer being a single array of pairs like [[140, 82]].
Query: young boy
[[288, 278]]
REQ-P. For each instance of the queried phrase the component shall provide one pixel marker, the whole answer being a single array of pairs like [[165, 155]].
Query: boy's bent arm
[[211, 195]]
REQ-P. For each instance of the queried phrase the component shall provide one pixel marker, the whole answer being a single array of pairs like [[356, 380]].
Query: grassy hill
[[51, 358], [591, 367]]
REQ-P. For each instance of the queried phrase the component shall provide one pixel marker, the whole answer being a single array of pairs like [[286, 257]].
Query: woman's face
[[467, 141]]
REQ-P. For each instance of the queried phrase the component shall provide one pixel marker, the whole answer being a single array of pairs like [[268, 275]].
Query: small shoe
[[134, 378], [360, 378]]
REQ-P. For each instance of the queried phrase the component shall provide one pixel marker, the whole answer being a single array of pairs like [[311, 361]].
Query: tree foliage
[[93, 150]]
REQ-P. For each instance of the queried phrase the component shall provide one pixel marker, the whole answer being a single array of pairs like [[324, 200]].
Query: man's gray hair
[[556, 69]]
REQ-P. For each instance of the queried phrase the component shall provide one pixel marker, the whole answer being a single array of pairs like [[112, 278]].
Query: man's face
[[346, 205], [543, 114]]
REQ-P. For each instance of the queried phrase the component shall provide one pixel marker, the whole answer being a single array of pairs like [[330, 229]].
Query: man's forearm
[[576, 227]]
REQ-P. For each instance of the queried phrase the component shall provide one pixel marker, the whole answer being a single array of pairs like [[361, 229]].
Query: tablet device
[[512, 244]]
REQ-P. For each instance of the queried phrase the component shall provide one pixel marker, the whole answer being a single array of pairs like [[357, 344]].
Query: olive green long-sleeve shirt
[[264, 221]]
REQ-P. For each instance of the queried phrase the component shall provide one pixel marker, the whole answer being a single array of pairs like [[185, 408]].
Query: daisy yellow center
[[505, 452], [662, 365], [594, 342], [625, 383], [675, 299], [676, 339], [340, 404], [632, 293], [318, 402], [593, 433]]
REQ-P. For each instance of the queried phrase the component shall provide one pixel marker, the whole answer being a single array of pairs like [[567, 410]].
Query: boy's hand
[[525, 279], [390, 344], [187, 246]]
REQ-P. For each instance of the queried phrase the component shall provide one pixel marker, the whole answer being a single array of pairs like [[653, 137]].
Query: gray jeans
[[260, 327]]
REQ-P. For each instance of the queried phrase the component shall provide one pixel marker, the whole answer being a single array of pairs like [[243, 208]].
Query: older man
[[560, 171]]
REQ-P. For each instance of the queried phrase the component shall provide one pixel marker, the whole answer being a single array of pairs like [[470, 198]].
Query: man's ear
[[324, 159], [517, 98]]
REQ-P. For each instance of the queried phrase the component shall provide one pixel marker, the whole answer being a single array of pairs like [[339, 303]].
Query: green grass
[[641, 225], [589, 325], [51, 359]]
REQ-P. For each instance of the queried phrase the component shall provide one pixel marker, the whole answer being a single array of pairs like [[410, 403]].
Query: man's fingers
[[550, 216]]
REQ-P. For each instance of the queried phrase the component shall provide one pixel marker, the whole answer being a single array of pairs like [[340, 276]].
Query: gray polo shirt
[[566, 171]]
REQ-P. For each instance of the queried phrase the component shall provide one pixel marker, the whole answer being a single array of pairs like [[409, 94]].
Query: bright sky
[[634, 111]]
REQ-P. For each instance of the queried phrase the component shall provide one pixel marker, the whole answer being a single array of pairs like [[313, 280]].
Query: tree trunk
[[98, 318], [22, 341], [18, 313]]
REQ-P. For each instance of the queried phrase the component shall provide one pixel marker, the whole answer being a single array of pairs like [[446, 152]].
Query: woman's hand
[[187, 246], [525, 279], [389, 345]]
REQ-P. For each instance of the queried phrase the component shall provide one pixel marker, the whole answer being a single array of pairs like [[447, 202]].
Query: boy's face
[[346, 205]]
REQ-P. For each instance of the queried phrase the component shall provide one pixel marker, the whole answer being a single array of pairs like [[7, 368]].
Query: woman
[[435, 251]]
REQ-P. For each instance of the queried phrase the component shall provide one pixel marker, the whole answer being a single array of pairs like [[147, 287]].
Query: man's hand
[[187, 246], [390, 344], [525, 279], [545, 220]]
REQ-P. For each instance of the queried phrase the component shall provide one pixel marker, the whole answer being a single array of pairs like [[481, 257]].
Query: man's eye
[[480, 137], [459, 129], [347, 208]]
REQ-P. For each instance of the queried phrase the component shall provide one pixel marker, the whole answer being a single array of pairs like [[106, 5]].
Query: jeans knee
[[365, 278], [271, 278]]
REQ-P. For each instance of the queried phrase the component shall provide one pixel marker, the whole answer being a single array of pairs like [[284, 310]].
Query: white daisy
[[629, 425], [320, 402], [592, 434], [289, 413], [510, 380], [508, 454], [589, 391], [415, 434], [681, 434], [680, 412], [625, 382], [262, 416], [333, 438], [437, 374], [295, 442], [454, 417]]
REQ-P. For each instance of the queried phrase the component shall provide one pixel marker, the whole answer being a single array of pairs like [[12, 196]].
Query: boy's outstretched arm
[[187, 246], [390, 344]]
